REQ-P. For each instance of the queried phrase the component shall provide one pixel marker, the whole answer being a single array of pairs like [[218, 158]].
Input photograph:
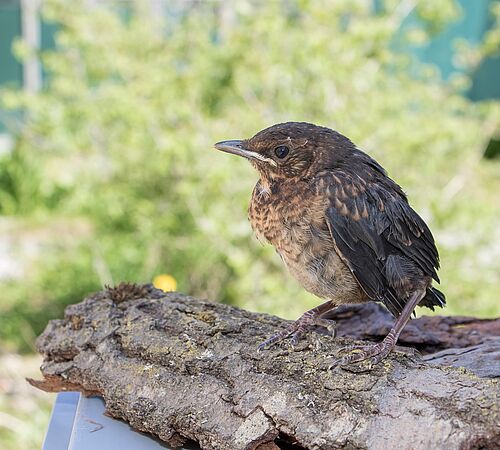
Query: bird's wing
[[372, 225]]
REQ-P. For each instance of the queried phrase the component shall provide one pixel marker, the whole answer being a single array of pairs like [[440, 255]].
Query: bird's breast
[[295, 225], [282, 215]]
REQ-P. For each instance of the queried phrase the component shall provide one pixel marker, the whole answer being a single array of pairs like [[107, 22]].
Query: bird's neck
[[271, 185], [264, 186]]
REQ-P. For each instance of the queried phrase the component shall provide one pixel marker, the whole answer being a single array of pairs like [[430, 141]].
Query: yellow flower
[[165, 282]]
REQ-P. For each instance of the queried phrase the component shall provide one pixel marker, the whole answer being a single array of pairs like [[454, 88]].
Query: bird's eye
[[281, 151]]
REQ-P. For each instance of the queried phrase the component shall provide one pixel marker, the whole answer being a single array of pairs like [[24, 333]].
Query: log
[[185, 369], [458, 341]]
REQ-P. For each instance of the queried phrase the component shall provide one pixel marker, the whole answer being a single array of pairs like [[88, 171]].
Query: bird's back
[[386, 244]]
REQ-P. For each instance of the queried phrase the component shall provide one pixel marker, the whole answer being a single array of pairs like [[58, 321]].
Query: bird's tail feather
[[433, 297]]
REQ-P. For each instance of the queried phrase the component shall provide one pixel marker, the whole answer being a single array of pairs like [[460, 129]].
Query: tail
[[433, 297]]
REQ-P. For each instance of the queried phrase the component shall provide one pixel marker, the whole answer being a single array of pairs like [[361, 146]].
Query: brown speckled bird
[[342, 227]]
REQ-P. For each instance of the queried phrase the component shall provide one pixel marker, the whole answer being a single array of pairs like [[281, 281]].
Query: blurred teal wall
[[11, 71], [475, 20], [473, 23], [10, 27]]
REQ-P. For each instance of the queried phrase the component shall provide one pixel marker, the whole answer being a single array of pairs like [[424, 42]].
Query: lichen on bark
[[187, 369]]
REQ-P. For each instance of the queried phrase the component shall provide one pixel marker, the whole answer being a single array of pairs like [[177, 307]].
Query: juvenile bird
[[342, 227]]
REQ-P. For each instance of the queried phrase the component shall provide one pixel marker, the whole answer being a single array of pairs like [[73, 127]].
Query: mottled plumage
[[342, 227]]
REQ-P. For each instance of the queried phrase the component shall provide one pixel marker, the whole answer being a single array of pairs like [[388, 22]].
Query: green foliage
[[120, 141]]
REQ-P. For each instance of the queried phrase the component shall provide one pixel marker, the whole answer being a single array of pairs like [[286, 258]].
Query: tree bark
[[188, 369]]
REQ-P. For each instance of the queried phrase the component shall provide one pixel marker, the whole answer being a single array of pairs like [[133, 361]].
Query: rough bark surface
[[187, 369], [457, 341]]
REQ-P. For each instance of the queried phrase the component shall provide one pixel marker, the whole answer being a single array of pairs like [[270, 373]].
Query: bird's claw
[[297, 329], [328, 324], [280, 336], [270, 341], [375, 353], [297, 336], [350, 348]]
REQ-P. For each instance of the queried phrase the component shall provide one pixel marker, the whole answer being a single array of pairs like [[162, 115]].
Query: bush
[[118, 144]]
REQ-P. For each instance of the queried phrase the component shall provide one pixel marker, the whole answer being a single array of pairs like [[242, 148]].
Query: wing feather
[[379, 223]]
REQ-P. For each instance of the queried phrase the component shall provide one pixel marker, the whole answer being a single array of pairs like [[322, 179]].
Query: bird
[[342, 227]]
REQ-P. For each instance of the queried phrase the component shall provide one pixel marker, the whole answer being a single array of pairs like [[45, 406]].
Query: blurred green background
[[107, 171]]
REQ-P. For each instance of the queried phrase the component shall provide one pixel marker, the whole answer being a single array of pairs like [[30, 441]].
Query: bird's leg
[[377, 352], [298, 328]]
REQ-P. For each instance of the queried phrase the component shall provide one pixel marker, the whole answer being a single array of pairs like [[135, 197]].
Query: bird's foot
[[374, 352], [298, 328]]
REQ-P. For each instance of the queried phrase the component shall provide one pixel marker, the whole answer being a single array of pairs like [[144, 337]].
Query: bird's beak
[[236, 147]]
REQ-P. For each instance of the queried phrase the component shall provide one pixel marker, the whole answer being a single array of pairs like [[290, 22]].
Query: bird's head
[[291, 150]]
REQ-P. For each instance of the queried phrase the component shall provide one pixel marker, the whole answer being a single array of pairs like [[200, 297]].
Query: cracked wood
[[187, 369]]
